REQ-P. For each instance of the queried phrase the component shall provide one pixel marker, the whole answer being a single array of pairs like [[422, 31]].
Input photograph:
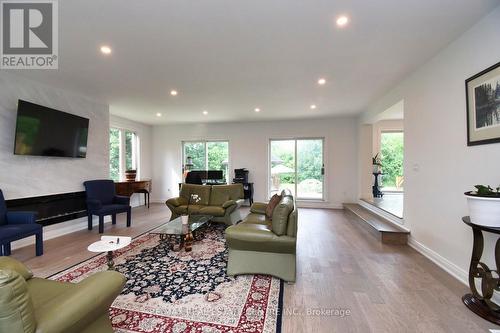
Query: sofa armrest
[[121, 200], [176, 202], [258, 208], [239, 202], [79, 307], [228, 203], [93, 205], [21, 217]]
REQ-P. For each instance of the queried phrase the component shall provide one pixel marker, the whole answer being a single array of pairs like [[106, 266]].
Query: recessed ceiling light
[[205, 112], [257, 110], [342, 21], [321, 81], [158, 114], [173, 92], [105, 49], [313, 106]]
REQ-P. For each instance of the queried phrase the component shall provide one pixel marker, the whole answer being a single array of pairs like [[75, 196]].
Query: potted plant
[[376, 163], [484, 205]]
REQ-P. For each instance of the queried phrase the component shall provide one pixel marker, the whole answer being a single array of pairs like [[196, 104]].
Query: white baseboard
[[455, 271]]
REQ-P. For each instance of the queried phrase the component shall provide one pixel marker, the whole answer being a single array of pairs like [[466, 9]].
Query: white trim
[[452, 269], [388, 216]]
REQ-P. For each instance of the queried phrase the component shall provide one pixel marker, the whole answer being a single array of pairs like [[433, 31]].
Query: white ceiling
[[228, 57]]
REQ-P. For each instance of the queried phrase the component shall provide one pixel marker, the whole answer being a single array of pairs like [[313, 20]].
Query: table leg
[[481, 304], [111, 263], [189, 242]]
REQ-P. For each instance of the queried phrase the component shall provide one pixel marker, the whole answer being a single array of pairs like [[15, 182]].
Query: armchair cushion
[[258, 208], [21, 217], [17, 266], [121, 200], [93, 205], [16, 307], [212, 210], [281, 214], [20, 230], [258, 237], [112, 209], [81, 305]]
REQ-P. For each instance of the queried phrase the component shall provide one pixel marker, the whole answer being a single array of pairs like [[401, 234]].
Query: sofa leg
[[89, 221], [39, 244], [6, 249], [129, 217], [113, 219], [101, 224], [1, 250]]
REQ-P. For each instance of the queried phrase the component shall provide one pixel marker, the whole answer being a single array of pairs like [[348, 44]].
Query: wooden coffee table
[[184, 234]]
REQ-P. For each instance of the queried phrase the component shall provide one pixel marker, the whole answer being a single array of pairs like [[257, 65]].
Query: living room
[[222, 167]]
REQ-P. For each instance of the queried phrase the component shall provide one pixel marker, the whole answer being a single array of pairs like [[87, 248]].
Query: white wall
[[248, 148], [24, 176], [439, 166]]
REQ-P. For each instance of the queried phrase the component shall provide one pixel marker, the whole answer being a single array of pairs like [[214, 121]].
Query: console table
[[481, 304], [128, 188]]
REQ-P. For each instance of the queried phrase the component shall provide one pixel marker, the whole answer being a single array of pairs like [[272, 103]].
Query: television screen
[[42, 131]]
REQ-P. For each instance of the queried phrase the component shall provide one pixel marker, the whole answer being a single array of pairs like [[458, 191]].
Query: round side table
[[480, 303], [109, 244]]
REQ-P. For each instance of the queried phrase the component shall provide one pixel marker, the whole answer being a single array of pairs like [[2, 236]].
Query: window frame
[[295, 139], [122, 163], [205, 142]]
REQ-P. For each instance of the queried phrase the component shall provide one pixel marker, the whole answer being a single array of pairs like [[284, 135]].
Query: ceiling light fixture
[[257, 110], [313, 106], [321, 81], [342, 21], [173, 92], [158, 114], [105, 49], [205, 112]]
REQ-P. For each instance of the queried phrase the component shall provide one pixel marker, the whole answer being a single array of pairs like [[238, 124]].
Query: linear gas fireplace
[[52, 209]]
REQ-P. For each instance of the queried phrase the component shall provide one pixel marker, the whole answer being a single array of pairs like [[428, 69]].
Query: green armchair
[[259, 245], [29, 304], [220, 201]]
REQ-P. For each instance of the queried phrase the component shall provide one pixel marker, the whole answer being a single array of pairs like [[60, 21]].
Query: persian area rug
[[169, 291]]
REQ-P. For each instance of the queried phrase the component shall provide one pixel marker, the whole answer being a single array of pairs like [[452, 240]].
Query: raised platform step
[[386, 231]]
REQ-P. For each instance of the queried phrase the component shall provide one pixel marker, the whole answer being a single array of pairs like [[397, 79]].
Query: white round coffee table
[[109, 244]]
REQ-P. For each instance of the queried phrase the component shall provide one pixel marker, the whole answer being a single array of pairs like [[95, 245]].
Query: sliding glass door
[[297, 165]]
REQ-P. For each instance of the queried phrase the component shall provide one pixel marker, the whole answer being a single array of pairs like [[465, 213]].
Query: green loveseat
[[220, 201], [258, 245], [29, 304]]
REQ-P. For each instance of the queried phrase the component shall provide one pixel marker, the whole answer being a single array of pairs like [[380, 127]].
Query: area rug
[[169, 291]]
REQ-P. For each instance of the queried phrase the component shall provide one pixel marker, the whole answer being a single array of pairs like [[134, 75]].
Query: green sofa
[[258, 245], [29, 304], [220, 201]]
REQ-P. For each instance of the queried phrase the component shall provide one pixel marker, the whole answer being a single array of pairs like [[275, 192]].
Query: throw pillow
[[275, 200]]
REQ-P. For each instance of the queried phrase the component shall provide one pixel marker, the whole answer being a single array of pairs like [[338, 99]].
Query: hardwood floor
[[341, 266]]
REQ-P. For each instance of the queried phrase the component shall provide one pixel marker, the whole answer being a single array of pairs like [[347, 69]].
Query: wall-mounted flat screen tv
[[43, 131]]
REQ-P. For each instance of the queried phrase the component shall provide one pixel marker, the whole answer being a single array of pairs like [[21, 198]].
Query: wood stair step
[[386, 231]]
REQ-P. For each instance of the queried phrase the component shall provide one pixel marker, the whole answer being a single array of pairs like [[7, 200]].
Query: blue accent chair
[[18, 225], [102, 200]]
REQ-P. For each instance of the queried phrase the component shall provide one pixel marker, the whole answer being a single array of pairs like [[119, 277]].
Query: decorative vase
[[130, 175], [185, 219], [484, 211], [376, 168]]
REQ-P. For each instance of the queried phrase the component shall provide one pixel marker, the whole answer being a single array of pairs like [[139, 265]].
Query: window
[[297, 165], [123, 152], [391, 158], [207, 155]]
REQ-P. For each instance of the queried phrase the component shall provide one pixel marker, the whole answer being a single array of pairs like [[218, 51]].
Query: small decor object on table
[[130, 175], [109, 244], [484, 206], [483, 107]]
